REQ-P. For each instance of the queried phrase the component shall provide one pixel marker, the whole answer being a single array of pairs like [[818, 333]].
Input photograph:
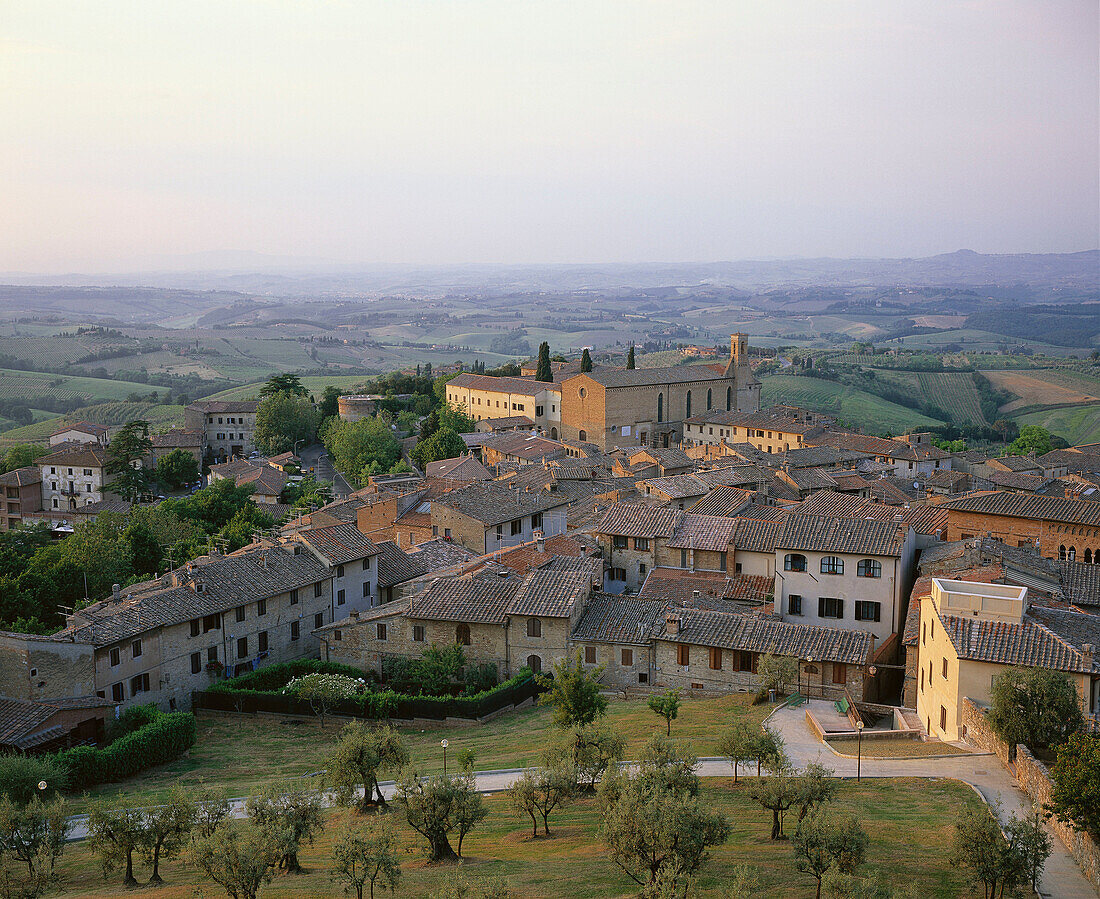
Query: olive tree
[[289, 815], [667, 705], [574, 692], [167, 828], [589, 751], [361, 753], [1037, 707], [363, 858], [240, 858], [115, 834], [438, 806], [822, 841], [32, 838], [537, 793]]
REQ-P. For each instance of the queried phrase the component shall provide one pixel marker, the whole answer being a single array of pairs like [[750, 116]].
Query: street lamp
[[872, 671], [859, 748], [444, 744], [809, 668], [42, 786]]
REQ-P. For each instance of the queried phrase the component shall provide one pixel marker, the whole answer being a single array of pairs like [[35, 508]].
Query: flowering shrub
[[332, 687]]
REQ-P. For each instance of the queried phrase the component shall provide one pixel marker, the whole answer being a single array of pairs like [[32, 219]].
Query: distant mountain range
[[256, 274]]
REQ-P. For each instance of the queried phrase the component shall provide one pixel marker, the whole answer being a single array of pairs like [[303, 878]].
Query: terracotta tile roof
[[21, 718], [638, 377], [618, 619], [725, 501], [667, 457], [1032, 643], [710, 533], [1016, 505], [524, 446], [177, 437], [815, 456], [465, 468], [395, 566], [680, 486], [1081, 583], [525, 386], [1014, 480], [264, 480], [637, 520], [946, 478], [819, 533], [761, 512], [880, 446], [754, 535], [434, 555], [504, 422], [853, 480], [481, 599], [809, 479], [86, 455], [755, 634], [1077, 461], [491, 504], [340, 543], [551, 593], [22, 477], [525, 557], [1015, 463], [768, 421], [679, 586], [87, 427], [923, 518]]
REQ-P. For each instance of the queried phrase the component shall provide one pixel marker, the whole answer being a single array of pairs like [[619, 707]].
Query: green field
[[315, 385], [159, 416], [856, 407], [910, 844], [1077, 424], [31, 384]]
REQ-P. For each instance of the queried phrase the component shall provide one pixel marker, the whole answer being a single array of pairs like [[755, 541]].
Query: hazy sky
[[440, 131]]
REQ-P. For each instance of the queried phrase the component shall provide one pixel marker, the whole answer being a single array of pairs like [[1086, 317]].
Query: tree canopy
[[282, 420], [544, 371], [362, 448], [586, 360], [1034, 706], [574, 692], [287, 384]]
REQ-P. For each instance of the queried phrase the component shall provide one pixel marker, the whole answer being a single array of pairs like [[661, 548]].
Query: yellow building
[[970, 633]]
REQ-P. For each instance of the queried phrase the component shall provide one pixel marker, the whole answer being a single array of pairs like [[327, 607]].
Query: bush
[[132, 719], [273, 678], [163, 739], [21, 774]]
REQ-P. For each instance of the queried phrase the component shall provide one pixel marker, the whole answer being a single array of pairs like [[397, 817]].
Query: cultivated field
[[160, 417], [1077, 424], [1046, 387], [32, 384], [856, 407]]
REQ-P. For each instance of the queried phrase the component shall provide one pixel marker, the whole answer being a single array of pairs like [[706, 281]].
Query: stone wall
[[1034, 779]]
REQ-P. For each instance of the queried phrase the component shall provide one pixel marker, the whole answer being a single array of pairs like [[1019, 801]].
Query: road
[[317, 458]]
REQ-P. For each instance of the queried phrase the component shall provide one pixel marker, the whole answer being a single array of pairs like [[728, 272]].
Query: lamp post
[[444, 744], [872, 671], [859, 749], [42, 787], [809, 671]]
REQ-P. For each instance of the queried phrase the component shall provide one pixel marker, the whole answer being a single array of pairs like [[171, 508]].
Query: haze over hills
[[277, 276]]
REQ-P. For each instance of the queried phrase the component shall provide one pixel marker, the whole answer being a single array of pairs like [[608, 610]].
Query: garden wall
[[1034, 779]]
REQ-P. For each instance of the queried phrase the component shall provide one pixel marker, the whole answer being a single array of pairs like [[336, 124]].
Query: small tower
[[739, 354]]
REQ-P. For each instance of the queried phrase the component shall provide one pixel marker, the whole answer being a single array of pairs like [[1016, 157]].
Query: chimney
[[672, 624], [540, 541], [694, 594], [354, 613], [116, 594], [1088, 655]]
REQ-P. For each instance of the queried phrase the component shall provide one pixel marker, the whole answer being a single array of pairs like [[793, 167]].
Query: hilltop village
[[654, 524]]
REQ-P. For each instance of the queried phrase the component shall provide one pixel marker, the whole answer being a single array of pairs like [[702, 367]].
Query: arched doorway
[[553, 433], [534, 663], [462, 635], [1088, 556], [582, 436]]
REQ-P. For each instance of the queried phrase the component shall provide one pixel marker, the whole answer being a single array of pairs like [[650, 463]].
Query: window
[[261, 641], [261, 607], [683, 654], [710, 396], [923, 633], [212, 654], [366, 588], [534, 627], [869, 568], [319, 620], [683, 558], [196, 662], [943, 670], [517, 527], [337, 635], [536, 520], [745, 661], [729, 399], [715, 659], [116, 657], [832, 565], [418, 633], [641, 569], [242, 647], [794, 562], [534, 662], [687, 405], [139, 683], [590, 655], [643, 677], [626, 657], [868, 611], [116, 693], [722, 561], [316, 589], [618, 542], [211, 623], [641, 543], [840, 673], [462, 635], [240, 613], [135, 649], [341, 597], [660, 407], [366, 564], [539, 411], [922, 680], [618, 574], [582, 436], [830, 607], [294, 597], [943, 718], [295, 631], [794, 604], [381, 631], [339, 570]]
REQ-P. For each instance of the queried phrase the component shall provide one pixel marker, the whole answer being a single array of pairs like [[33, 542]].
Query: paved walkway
[[1062, 878]]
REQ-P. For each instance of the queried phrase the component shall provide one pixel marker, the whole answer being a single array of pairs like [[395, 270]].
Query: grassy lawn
[[893, 749], [242, 752], [910, 842]]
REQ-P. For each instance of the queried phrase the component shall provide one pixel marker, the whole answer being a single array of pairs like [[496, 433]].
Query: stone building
[[1067, 529], [80, 432], [487, 397], [72, 476], [354, 407], [22, 493], [484, 517], [768, 431], [647, 406], [228, 426]]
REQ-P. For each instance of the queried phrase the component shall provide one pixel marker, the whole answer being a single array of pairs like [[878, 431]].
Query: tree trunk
[[668, 727], [819, 888], [130, 880], [293, 866], [776, 832], [735, 770], [545, 823], [156, 878], [441, 850], [380, 799], [534, 825]]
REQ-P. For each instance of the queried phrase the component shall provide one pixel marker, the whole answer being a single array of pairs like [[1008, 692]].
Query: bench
[[841, 705], [795, 700]]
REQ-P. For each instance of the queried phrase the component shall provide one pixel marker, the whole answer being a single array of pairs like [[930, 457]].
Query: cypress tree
[[630, 357], [544, 372], [586, 360]]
